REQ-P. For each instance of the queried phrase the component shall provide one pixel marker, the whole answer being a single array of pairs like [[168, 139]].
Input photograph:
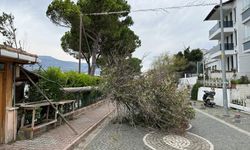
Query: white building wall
[[244, 62], [185, 82], [241, 57]]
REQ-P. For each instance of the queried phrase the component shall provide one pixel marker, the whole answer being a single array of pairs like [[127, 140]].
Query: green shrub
[[242, 80], [54, 79], [194, 91], [75, 79]]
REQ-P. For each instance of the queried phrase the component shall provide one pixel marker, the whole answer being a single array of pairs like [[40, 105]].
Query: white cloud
[[159, 31]]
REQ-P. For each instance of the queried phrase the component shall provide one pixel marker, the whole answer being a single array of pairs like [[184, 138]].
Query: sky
[[160, 32]]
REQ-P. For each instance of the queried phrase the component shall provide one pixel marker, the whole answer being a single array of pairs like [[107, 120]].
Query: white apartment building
[[237, 39]]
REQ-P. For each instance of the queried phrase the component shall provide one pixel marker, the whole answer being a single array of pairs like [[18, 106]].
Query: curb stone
[[81, 137]]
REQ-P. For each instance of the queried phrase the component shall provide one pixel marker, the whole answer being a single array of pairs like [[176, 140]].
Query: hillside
[[48, 61]]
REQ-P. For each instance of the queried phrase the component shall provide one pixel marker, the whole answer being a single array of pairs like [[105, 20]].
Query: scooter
[[208, 98]]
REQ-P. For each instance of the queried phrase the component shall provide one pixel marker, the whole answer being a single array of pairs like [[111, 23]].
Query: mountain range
[[48, 61]]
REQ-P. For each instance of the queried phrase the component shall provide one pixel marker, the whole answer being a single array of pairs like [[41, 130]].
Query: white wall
[[184, 82], [244, 61], [241, 91], [218, 95]]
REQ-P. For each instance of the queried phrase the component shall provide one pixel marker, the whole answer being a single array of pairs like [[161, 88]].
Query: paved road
[[124, 137], [118, 137], [222, 136], [218, 112]]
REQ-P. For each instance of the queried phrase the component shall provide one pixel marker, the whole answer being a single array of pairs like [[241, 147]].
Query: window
[[247, 32]]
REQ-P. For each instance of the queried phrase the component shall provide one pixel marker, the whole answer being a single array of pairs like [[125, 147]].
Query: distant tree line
[[189, 59]]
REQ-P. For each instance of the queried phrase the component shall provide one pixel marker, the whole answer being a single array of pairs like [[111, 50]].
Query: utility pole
[[223, 61], [203, 68], [80, 43], [197, 68]]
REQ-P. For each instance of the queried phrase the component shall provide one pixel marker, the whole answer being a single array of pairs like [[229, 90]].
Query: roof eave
[[18, 56], [215, 8]]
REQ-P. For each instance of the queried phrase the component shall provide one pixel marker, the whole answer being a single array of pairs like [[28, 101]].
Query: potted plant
[[233, 84]]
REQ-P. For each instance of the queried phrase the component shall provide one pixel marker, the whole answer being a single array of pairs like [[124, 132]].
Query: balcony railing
[[246, 14], [246, 45], [228, 46], [227, 24]]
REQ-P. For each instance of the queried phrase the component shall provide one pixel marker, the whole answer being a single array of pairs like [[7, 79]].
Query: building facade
[[237, 40]]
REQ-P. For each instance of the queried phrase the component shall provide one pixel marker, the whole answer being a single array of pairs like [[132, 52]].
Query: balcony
[[246, 15], [246, 46], [215, 32], [216, 51]]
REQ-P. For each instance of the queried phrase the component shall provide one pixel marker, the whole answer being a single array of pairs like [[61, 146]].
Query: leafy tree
[[106, 35], [135, 64], [7, 29], [179, 63], [179, 54], [196, 55], [187, 53], [191, 57]]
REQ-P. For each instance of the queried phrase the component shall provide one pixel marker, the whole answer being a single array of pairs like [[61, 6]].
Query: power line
[[150, 9]]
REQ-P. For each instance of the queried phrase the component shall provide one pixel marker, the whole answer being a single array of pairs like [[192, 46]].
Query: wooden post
[[73, 109], [23, 118], [47, 115], [33, 123], [56, 114], [60, 108]]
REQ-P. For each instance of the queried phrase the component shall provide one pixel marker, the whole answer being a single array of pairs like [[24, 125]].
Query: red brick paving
[[62, 136]]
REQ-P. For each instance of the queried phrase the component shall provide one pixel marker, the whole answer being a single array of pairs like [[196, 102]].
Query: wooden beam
[[52, 105]]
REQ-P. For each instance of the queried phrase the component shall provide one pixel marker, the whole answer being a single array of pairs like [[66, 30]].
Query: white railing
[[216, 83]]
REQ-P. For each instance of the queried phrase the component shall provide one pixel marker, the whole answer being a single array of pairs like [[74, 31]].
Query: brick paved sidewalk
[[61, 137]]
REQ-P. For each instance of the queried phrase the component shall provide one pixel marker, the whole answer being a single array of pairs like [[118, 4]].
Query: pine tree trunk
[[96, 47], [93, 66], [89, 68]]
